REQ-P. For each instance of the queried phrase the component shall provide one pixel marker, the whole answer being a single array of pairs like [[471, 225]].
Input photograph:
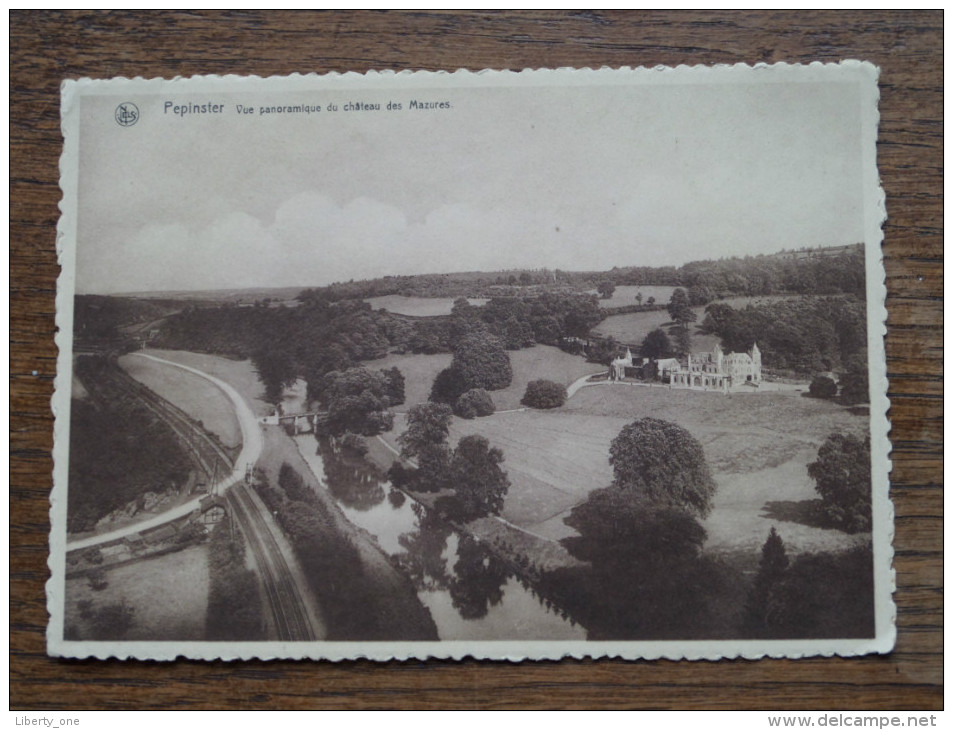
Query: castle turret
[[755, 363]]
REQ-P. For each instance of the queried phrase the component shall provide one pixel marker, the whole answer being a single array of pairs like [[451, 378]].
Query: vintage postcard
[[504, 365]]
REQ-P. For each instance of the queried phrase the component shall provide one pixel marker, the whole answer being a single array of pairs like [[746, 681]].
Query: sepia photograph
[[507, 365]]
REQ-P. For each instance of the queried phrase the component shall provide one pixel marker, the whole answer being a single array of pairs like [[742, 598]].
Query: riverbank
[[391, 596], [528, 553]]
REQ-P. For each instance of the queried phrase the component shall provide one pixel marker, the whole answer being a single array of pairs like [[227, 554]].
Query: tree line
[[321, 336], [805, 272], [808, 274], [806, 335]]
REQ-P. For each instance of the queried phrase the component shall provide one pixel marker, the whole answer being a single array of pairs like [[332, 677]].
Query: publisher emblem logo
[[127, 114]]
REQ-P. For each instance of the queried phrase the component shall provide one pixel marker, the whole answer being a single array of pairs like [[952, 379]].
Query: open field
[[238, 373], [632, 328], [168, 595], [418, 371], [417, 306], [200, 399], [758, 447], [541, 361], [532, 363]]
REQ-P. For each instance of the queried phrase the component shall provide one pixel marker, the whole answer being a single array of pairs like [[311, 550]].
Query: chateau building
[[703, 371]]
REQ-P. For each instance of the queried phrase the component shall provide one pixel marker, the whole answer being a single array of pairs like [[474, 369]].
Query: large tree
[[683, 341], [842, 475], [394, 389], [427, 424], [617, 527], [478, 579], [763, 596], [482, 362], [276, 370], [656, 345], [425, 441], [855, 382], [479, 361], [481, 485], [643, 573], [663, 463], [357, 401], [680, 308]]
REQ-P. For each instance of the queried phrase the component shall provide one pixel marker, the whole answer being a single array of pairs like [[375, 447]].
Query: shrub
[[111, 621], [97, 579], [234, 606], [855, 387], [474, 403], [399, 475], [293, 484], [544, 394], [823, 387]]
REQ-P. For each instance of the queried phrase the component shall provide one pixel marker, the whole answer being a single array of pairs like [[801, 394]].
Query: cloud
[[313, 241]]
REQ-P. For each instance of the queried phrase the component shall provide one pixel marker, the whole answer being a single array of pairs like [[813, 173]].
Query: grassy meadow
[[238, 373], [193, 394], [532, 363], [625, 294], [757, 445], [632, 328], [417, 306], [181, 578]]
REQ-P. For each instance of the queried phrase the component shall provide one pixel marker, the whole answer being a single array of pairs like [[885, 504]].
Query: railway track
[[110, 383], [287, 605]]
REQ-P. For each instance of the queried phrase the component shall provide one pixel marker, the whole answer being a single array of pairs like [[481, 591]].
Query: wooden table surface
[[46, 47]]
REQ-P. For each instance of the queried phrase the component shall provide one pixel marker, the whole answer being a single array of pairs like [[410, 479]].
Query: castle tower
[[719, 357], [755, 363]]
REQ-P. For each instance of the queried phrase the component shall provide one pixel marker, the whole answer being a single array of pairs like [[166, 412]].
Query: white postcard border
[[883, 511]]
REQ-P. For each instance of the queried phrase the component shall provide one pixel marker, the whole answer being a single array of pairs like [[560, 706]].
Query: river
[[471, 594]]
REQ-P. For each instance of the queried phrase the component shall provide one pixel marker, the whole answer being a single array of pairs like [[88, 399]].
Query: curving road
[[252, 445]]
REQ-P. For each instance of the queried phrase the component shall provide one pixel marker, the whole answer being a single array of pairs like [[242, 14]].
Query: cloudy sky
[[572, 178]]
